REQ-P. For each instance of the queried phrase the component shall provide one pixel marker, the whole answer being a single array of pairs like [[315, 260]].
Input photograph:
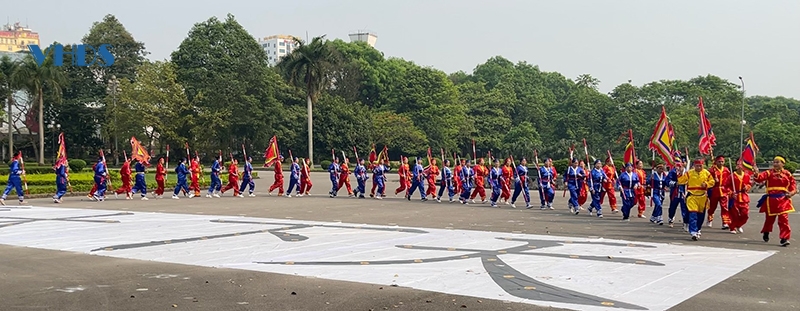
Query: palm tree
[[7, 68], [34, 78], [309, 65]]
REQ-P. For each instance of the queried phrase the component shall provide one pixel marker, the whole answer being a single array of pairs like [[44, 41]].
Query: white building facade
[[277, 46]]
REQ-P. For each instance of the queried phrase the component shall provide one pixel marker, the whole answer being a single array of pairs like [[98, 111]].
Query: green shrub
[[791, 166], [324, 164], [560, 165], [76, 165]]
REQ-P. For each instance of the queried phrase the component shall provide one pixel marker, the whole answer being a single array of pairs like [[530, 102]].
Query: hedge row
[[85, 180]]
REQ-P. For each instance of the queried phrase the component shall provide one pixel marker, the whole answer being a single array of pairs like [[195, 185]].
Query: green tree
[[128, 53], [309, 66], [34, 78]]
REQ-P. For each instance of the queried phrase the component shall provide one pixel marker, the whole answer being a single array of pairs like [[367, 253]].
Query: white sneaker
[[599, 216], [145, 199], [3, 202], [288, 195], [191, 195], [299, 195], [216, 195], [710, 224], [741, 230], [378, 198], [472, 201], [733, 231], [175, 197], [55, 200], [208, 196], [240, 196], [252, 195], [483, 202], [439, 200], [116, 196], [513, 206]]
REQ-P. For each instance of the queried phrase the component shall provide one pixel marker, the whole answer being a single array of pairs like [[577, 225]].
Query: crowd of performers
[[697, 191]]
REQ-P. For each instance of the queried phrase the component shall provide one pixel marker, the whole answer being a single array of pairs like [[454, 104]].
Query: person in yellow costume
[[697, 181]]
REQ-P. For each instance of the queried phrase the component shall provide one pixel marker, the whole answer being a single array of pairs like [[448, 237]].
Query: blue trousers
[[361, 186], [520, 188], [546, 194], [100, 181], [573, 195], [141, 186], [381, 185], [595, 205], [181, 185], [293, 182], [673, 206], [61, 187], [496, 190], [628, 201], [465, 191], [216, 184], [14, 182], [450, 190], [334, 185], [246, 181], [417, 184], [658, 212], [696, 220]]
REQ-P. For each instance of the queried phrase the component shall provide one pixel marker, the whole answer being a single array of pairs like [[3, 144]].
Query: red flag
[[748, 157], [707, 138], [138, 152], [61, 156], [272, 153], [373, 156], [662, 139], [630, 152]]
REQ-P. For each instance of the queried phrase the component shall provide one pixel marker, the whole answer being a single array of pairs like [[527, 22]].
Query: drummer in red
[[777, 202]]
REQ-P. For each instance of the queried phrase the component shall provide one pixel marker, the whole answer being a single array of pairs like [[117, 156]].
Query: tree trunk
[[310, 130], [10, 127], [41, 127]]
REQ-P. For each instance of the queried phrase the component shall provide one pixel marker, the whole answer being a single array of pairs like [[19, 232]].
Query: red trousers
[[91, 192], [195, 184], [278, 184], [233, 183], [403, 185], [723, 206], [160, 187], [305, 185], [739, 215], [431, 187], [505, 192], [783, 225], [478, 190], [126, 185], [345, 181], [641, 201], [583, 195], [612, 197]]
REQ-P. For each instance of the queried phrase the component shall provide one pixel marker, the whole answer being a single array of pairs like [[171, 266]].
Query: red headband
[[699, 162]]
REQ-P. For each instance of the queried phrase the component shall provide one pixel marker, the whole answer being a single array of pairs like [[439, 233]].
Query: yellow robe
[[697, 195]]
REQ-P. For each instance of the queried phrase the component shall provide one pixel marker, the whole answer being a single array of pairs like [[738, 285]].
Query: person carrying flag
[[233, 178], [90, 195], [656, 183], [181, 171], [777, 202], [698, 181], [344, 177], [140, 185], [161, 176], [247, 179], [737, 187], [467, 180], [216, 183], [521, 185], [278, 184], [583, 193], [361, 178], [125, 176], [61, 181]]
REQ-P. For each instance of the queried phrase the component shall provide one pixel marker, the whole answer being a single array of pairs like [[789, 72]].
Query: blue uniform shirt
[[14, 168], [139, 167], [100, 169], [628, 181], [295, 171], [61, 174], [248, 171], [417, 173], [522, 174], [574, 176], [676, 191], [334, 170], [361, 172], [494, 176], [598, 176], [215, 168], [181, 171], [657, 182], [546, 176]]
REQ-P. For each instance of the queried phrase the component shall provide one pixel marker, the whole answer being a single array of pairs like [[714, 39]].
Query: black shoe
[[361, 196], [694, 238], [766, 236], [785, 242]]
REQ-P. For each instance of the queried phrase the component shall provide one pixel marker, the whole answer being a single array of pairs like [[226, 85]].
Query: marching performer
[[573, 179], [777, 202], [677, 194], [194, 166], [90, 195], [344, 177], [334, 171], [737, 187], [181, 171], [608, 185], [505, 181], [495, 180], [278, 184], [161, 176], [596, 179], [521, 184], [125, 176], [583, 193], [405, 176], [480, 174], [100, 175], [457, 175], [140, 185], [697, 181], [548, 181], [61, 182], [447, 182], [233, 178], [630, 182], [717, 195], [361, 178], [247, 179], [467, 179], [430, 173], [379, 176], [216, 183], [656, 184], [417, 181], [641, 197], [294, 178], [305, 179]]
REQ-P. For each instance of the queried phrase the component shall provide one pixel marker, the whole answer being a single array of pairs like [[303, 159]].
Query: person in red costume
[[405, 176], [431, 172], [125, 176], [777, 202], [608, 186], [278, 184], [736, 187], [505, 182], [717, 194], [583, 194], [233, 179], [305, 179], [480, 175], [194, 167], [344, 177], [161, 176]]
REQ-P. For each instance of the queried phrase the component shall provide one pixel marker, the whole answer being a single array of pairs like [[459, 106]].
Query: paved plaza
[[318, 253]]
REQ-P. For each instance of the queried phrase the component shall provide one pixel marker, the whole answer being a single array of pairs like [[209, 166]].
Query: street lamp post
[[113, 88], [741, 135], [54, 127]]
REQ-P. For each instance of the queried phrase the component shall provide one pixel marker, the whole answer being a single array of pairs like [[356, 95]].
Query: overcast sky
[[614, 41]]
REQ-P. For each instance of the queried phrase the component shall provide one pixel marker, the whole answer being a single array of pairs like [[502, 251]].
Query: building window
[[283, 43], [282, 51]]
